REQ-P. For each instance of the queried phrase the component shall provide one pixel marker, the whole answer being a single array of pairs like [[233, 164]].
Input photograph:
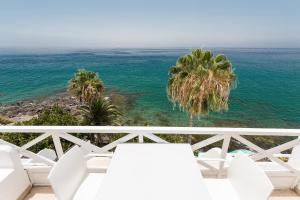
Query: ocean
[[267, 94]]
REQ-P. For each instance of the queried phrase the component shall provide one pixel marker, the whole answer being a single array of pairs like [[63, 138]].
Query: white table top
[[153, 172]]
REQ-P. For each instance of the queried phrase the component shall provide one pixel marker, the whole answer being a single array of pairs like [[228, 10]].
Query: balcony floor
[[40, 193], [45, 193]]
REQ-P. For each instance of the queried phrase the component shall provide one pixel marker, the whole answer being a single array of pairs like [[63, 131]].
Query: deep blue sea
[[267, 95]]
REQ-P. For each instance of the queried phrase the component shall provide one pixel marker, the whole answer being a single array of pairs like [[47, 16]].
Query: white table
[[153, 172]]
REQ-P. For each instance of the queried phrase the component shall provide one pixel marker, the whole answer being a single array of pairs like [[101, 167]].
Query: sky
[[149, 24]]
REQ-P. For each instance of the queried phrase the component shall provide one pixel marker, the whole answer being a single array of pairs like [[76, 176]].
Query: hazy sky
[[151, 23]]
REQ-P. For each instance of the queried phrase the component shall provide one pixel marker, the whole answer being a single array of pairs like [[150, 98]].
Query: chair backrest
[[248, 179], [14, 185], [68, 173], [9, 158], [211, 153], [294, 160], [214, 153], [48, 153]]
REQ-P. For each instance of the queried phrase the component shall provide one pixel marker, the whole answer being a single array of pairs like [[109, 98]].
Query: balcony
[[281, 168]]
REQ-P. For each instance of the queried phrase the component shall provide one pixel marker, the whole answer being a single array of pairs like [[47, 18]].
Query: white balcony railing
[[217, 134]]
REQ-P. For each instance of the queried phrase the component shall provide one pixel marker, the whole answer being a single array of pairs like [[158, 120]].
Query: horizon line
[[158, 47]]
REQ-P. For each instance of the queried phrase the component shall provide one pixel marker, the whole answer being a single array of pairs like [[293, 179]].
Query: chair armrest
[[91, 155], [210, 159]]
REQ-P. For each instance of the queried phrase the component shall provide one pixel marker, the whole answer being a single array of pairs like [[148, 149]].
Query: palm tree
[[86, 86], [100, 112], [200, 83]]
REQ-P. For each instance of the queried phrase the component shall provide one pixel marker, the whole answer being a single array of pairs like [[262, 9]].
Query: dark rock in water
[[124, 101], [230, 123]]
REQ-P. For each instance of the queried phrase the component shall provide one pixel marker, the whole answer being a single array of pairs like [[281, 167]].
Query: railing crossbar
[[29, 154], [277, 149], [155, 138], [35, 141], [207, 142]]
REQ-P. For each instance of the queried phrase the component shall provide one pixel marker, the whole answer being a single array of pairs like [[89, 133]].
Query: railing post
[[225, 147], [141, 138], [57, 145]]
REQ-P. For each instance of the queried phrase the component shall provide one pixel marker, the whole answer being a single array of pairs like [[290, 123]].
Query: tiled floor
[[45, 193], [284, 194], [40, 193]]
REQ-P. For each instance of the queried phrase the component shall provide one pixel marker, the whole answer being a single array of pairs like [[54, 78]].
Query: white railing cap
[[151, 129]]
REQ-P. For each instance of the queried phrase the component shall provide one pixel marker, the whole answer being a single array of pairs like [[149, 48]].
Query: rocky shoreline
[[27, 109]]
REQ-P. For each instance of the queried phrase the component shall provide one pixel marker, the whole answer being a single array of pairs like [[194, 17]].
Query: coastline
[[27, 109]]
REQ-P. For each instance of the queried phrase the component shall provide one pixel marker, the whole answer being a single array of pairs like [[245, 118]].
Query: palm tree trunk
[[98, 139], [190, 137], [191, 121], [82, 95]]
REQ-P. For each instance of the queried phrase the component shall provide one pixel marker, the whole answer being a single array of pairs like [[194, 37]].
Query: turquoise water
[[268, 92]]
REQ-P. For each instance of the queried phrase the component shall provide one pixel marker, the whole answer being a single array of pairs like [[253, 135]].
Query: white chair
[[70, 179], [214, 153], [281, 176], [14, 181], [245, 181], [48, 153], [213, 158]]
